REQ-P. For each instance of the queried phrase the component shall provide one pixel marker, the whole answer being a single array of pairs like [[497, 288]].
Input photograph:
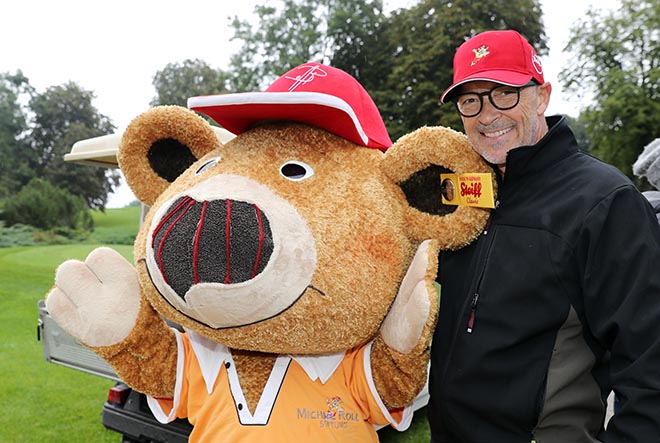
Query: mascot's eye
[[209, 164], [296, 171]]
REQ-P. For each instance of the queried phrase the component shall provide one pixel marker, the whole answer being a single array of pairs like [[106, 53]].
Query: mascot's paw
[[412, 308], [96, 301]]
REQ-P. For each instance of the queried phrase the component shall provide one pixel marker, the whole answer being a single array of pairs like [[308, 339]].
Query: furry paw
[[96, 301], [412, 308]]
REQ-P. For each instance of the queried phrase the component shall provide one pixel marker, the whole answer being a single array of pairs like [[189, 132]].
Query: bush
[[45, 206], [17, 235]]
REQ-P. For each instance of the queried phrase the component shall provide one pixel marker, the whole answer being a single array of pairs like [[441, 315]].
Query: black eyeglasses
[[502, 97]]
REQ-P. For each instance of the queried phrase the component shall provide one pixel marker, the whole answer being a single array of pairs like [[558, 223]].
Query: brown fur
[[147, 357], [365, 236], [253, 370], [378, 245]]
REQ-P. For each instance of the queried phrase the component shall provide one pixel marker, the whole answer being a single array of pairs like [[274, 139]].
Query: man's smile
[[498, 133]]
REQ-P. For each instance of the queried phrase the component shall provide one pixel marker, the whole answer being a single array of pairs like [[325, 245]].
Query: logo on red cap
[[479, 53], [536, 62], [308, 76]]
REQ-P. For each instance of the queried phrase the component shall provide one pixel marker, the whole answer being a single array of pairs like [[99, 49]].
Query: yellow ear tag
[[469, 189]]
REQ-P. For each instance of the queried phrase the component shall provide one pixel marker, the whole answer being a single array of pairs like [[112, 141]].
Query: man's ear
[[544, 92], [415, 163], [159, 145]]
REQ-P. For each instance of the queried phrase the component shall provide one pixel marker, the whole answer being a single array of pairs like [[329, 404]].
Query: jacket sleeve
[[619, 254]]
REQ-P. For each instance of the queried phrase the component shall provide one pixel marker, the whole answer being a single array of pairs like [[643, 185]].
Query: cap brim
[[509, 78], [239, 112]]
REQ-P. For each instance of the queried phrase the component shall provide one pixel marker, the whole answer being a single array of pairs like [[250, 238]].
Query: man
[[558, 302]]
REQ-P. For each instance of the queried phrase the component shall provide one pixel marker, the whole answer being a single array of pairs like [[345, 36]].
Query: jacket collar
[[557, 144]]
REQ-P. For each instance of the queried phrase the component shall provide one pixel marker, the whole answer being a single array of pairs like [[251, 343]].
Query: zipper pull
[[488, 224], [473, 313]]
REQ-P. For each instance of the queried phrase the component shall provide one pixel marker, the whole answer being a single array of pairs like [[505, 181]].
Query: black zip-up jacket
[[556, 304]]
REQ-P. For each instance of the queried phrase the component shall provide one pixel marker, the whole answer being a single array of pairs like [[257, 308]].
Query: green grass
[[416, 433], [116, 226], [41, 402]]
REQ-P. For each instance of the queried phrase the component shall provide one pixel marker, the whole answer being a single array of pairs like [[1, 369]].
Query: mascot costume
[[299, 259]]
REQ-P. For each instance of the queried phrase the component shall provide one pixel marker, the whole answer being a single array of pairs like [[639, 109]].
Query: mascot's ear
[[415, 163], [159, 145]]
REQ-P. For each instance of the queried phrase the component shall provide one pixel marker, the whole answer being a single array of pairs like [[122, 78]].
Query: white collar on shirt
[[212, 355]]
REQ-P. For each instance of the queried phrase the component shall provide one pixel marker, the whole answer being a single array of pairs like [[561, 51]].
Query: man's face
[[493, 132]]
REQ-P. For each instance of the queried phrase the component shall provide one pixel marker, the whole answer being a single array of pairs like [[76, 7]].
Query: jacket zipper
[[473, 313], [484, 251], [475, 298]]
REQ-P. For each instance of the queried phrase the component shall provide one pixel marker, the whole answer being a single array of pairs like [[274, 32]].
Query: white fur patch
[[286, 276], [404, 323], [96, 301]]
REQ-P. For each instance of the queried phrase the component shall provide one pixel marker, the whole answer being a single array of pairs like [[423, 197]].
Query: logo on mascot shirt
[[334, 416], [469, 189]]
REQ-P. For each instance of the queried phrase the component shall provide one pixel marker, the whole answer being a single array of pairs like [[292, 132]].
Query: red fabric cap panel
[[312, 93], [497, 56]]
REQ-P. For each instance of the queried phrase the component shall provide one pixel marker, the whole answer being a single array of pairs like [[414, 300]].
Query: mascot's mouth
[[314, 288], [218, 241], [307, 290]]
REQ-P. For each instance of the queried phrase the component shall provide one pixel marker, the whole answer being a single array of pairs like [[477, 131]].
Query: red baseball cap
[[312, 93], [496, 56]]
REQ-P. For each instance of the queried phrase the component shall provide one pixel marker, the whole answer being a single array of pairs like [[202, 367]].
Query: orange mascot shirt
[[328, 398]]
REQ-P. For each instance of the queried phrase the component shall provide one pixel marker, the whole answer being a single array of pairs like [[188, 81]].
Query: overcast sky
[[115, 48]]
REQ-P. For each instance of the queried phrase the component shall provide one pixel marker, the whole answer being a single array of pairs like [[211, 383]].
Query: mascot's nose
[[217, 241]]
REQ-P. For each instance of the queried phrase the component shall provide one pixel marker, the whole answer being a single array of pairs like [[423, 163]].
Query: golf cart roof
[[102, 151]]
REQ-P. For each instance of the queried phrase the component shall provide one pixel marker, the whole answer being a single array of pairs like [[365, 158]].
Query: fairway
[[116, 226], [40, 401]]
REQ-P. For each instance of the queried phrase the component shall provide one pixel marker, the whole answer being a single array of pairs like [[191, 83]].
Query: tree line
[[403, 58], [37, 187]]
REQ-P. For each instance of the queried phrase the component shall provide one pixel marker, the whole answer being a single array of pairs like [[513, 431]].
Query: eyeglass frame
[[488, 93]]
